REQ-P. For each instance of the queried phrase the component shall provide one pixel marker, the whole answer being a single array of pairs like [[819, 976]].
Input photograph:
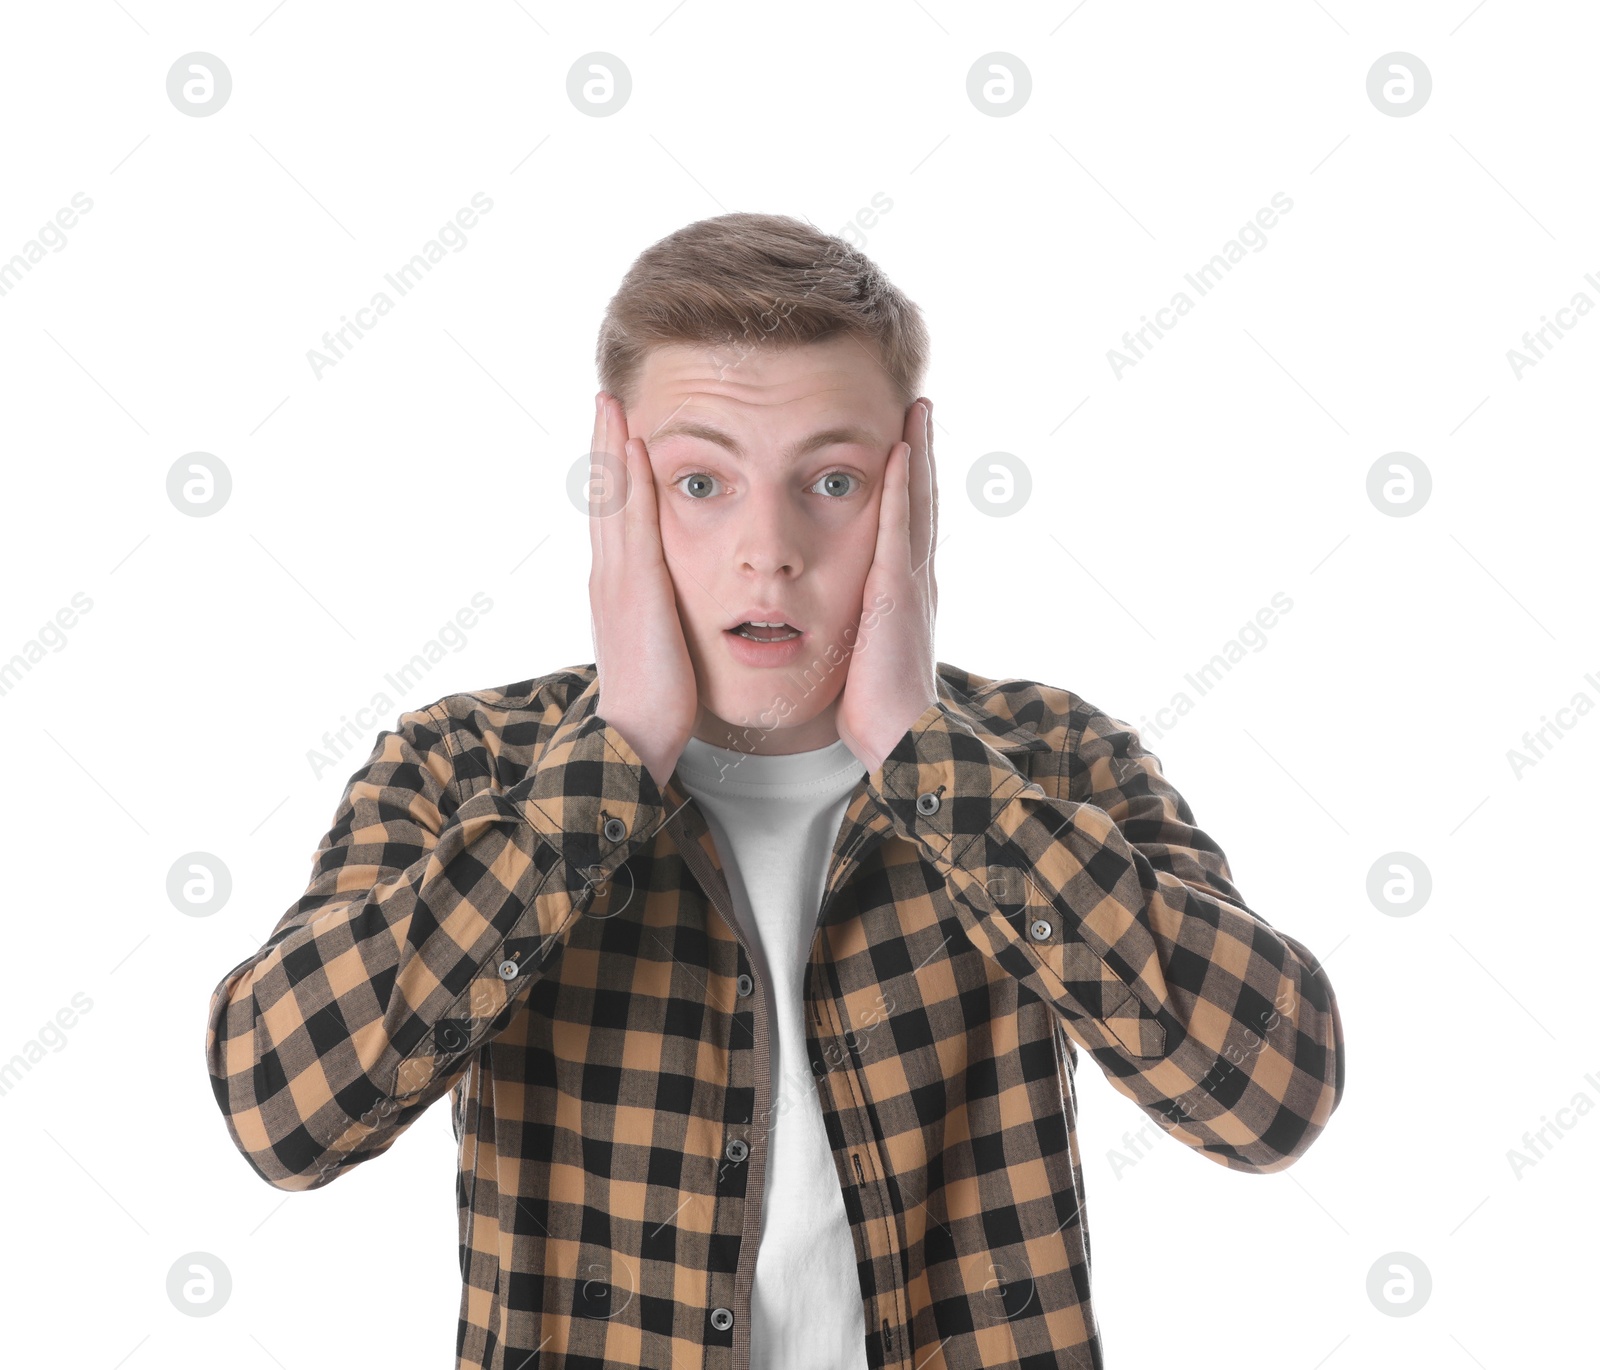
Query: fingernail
[[599, 400]]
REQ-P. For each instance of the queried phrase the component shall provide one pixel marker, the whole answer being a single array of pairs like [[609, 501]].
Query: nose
[[768, 538]]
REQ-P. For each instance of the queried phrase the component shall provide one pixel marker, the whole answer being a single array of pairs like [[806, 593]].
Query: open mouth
[[765, 632]]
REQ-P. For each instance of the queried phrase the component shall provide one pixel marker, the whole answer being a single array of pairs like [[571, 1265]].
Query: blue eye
[[703, 476], [844, 475], [694, 475]]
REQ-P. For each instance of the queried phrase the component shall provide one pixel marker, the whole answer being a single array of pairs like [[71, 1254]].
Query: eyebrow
[[847, 434]]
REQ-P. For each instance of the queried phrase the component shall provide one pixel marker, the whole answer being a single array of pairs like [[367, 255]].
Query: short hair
[[743, 281]]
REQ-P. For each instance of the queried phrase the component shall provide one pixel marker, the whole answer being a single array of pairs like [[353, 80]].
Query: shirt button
[[1040, 929], [508, 970], [615, 830], [927, 804], [746, 984], [721, 1319], [737, 1149]]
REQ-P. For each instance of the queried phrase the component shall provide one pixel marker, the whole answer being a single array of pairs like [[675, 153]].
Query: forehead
[[841, 373]]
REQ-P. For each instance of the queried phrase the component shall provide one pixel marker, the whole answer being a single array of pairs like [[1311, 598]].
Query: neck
[[783, 740]]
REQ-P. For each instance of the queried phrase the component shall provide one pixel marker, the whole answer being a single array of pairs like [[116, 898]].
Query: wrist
[[660, 762]]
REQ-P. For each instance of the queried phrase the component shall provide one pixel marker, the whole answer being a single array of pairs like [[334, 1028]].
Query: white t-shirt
[[774, 820]]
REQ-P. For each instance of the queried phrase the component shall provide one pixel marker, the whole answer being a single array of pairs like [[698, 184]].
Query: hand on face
[[647, 685], [891, 678]]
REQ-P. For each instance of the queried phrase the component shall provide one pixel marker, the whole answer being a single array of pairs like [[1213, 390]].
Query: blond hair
[[742, 281]]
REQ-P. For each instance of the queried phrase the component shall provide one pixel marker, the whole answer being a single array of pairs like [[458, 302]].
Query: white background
[[1169, 505]]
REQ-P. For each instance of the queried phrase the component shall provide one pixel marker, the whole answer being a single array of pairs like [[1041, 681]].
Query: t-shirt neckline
[[705, 764]]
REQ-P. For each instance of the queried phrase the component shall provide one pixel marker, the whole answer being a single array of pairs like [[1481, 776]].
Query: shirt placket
[[741, 1175], [878, 1234]]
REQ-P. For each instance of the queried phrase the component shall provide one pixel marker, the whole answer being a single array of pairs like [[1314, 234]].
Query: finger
[[640, 514], [894, 513], [610, 495], [933, 502], [597, 525], [617, 484], [596, 440], [921, 490]]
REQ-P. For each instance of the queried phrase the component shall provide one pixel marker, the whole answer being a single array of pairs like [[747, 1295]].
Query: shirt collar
[[1005, 737]]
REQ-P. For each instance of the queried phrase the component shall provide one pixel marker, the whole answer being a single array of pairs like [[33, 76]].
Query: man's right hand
[[648, 690]]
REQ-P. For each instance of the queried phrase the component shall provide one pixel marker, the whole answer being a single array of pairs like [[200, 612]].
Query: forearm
[[1124, 918], [418, 936]]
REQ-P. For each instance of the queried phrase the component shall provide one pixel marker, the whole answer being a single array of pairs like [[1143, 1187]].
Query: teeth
[[751, 637]]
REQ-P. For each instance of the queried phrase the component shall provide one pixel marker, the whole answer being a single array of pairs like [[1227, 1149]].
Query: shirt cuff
[[591, 799], [943, 785]]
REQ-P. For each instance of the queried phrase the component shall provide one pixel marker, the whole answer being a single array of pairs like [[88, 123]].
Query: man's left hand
[[892, 678]]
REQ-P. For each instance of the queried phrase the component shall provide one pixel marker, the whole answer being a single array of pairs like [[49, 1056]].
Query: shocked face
[[768, 471]]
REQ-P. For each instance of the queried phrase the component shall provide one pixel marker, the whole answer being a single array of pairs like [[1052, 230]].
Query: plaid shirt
[[509, 910]]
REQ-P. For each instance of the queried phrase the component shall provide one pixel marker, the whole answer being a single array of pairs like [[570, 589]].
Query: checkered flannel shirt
[[508, 910]]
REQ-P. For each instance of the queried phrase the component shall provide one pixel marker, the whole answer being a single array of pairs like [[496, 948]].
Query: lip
[[761, 613], [764, 654]]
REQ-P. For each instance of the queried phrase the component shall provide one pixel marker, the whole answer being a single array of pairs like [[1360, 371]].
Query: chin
[[777, 701]]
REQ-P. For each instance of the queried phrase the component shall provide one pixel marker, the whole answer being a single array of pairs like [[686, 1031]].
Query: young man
[[758, 958]]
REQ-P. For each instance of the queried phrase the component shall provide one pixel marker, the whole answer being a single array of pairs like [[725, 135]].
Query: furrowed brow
[[827, 437]]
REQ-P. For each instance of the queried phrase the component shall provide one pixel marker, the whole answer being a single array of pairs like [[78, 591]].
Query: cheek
[[861, 546], [850, 564], [695, 568], [678, 541]]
